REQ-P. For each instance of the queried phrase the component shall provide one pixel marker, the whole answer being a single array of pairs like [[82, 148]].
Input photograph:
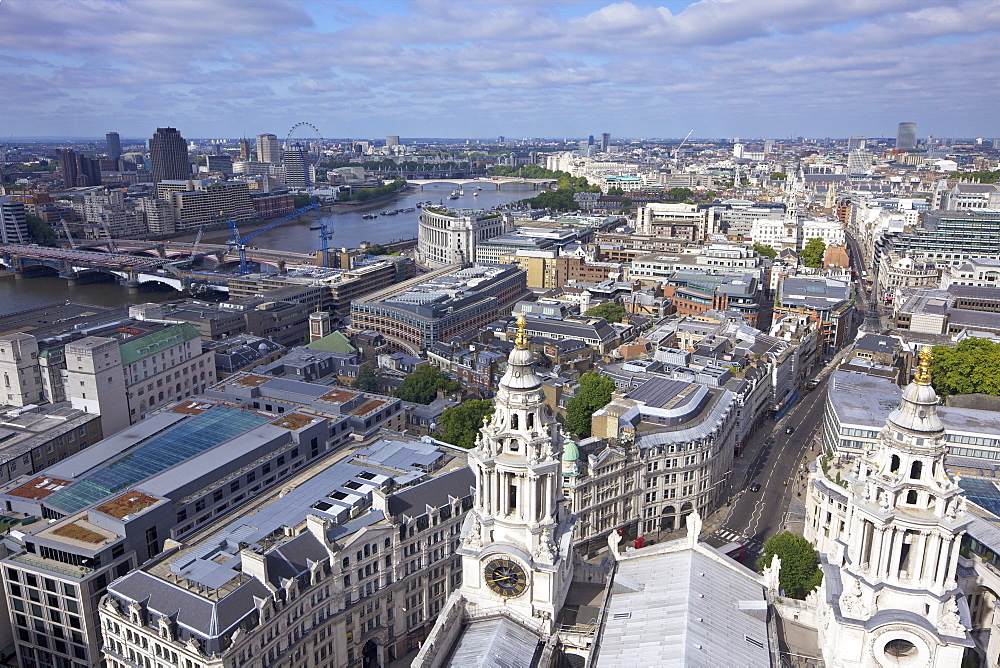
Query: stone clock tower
[[516, 539]]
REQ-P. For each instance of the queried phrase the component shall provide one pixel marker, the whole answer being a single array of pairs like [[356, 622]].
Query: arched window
[[911, 496], [916, 469], [894, 464], [513, 445], [531, 420], [513, 421]]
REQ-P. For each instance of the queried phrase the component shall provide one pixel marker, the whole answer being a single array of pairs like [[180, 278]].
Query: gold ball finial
[[522, 336], [923, 374]]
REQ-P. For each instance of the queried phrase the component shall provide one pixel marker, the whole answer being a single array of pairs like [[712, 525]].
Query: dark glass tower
[[168, 153], [114, 145]]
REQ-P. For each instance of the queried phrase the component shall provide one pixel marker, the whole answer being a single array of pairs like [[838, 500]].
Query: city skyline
[[437, 69]]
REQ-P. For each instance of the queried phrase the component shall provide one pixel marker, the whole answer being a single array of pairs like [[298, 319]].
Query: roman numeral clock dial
[[505, 578]]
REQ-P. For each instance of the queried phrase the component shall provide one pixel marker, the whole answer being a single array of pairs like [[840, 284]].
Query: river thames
[[349, 229]]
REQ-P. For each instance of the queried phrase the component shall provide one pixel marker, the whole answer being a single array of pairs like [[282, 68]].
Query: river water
[[349, 229]]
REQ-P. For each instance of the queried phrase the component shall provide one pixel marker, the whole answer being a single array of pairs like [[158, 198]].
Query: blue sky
[[525, 68]]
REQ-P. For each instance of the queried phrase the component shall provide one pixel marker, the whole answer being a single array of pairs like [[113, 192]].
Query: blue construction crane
[[241, 244], [325, 234]]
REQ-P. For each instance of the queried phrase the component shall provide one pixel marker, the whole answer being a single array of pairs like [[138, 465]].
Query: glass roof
[[983, 492], [191, 437]]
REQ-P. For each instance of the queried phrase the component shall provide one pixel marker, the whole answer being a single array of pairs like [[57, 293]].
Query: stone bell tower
[[516, 539], [897, 600]]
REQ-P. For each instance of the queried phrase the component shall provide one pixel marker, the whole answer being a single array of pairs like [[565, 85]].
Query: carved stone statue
[[851, 603], [950, 622], [614, 538], [546, 550], [473, 539], [772, 574], [694, 524]]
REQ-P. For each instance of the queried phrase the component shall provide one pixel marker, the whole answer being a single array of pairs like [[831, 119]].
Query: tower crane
[[69, 237], [241, 243], [677, 150], [325, 234]]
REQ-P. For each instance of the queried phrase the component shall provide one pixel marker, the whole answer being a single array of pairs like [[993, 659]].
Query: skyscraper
[[13, 221], [605, 141], [114, 145], [855, 143], [392, 140], [268, 148], [168, 153], [79, 171], [906, 136], [298, 170]]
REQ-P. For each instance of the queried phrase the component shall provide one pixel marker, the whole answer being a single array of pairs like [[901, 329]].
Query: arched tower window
[[894, 464], [916, 469], [531, 420], [513, 421], [911, 496]]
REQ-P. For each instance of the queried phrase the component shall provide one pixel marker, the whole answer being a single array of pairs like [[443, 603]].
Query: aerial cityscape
[[657, 334]]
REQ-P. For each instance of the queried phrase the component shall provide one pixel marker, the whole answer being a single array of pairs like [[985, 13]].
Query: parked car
[[789, 430], [755, 487]]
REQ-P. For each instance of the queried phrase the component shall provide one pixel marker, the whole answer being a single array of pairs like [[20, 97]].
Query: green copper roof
[[145, 346], [571, 453], [333, 343]]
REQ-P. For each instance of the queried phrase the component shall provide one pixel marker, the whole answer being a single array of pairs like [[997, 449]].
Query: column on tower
[[917, 557]]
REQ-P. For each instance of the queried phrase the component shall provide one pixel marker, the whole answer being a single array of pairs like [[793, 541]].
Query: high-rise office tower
[[268, 148], [13, 221], [168, 153], [855, 144], [79, 171], [299, 172], [245, 149], [590, 140], [392, 140], [906, 136], [605, 141], [114, 145]]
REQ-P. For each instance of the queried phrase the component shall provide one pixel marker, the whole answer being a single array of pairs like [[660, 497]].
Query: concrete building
[[268, 149], [35, 437], [206, 202], [955, 310], [182, 468], [695, 292], [359, 550], [830, 232], [416, 313], [446, 236], [685, 222], [827, 301], [168, 155], [22, 379], [13, 221], [114, 145], [906, 137]]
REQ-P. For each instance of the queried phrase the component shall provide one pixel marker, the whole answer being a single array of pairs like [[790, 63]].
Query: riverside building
[[448, 236]]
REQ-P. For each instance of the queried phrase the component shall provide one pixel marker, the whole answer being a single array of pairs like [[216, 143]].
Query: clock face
[[506, 577]]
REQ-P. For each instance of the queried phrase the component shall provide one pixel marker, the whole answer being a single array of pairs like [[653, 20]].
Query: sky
[[521, 68]]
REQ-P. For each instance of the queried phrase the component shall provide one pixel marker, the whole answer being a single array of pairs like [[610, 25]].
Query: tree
[[301, 200], [971, 366], [615, 191], [610, 311], [460, 424], [765, 251], [778, 176], [421, 386], [594, 393], [376, 249], [680, 194], [366, 381], [627, 205], [40, 231], [812, 254], [800, 572]]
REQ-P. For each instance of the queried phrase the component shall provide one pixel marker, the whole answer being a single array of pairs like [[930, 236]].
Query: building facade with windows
[[448, 236]]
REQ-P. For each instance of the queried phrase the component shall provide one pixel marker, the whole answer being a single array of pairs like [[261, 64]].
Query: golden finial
[[522, 336], [923, 374]]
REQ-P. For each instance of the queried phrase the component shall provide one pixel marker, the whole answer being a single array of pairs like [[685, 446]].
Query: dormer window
[[915, 470], [513, 421], [911, 497], [894, 464]]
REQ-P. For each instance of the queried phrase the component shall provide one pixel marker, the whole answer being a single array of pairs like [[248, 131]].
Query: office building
[[268, 149], [437, 306], [855, 144], [39, 436], [13, 221], [79, 171], [373, 536], [827, 302], [181, 469], [168, 155], [206, 202], [219, 163], [299, 170], [447, 236], [114, 145], [392, 140], [906, 137], [605, 141], [684, 222]]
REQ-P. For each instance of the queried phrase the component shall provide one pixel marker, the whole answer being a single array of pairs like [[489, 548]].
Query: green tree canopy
[[765, 251], [594, 393], [778, 176], [366, 381], [627, 205], [971, 366], [610, 311], [615, 191], [421, 386], [680, 194], [301, 200], [800, 572], [376, 249], [40, 231], [460, 424], [812, 253]]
